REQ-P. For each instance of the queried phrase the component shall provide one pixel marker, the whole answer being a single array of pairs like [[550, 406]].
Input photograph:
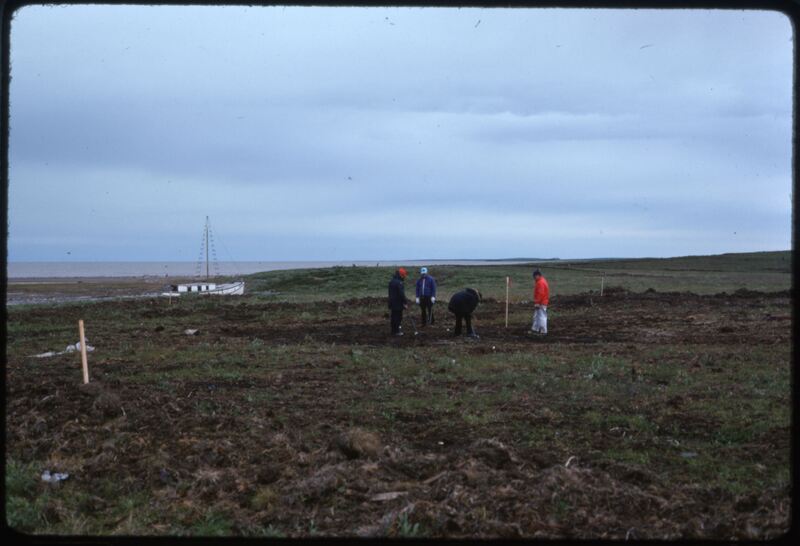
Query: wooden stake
[[84, 361], [507, 282], [602, 282]]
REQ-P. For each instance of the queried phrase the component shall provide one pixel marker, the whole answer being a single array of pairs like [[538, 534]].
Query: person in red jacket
[[541, 298]]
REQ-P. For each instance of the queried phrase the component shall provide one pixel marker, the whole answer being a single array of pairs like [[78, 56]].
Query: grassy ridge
[[777, 261], [763, 271]]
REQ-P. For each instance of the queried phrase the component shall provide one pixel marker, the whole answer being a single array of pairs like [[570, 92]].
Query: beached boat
[[207, 289], [235, 288]]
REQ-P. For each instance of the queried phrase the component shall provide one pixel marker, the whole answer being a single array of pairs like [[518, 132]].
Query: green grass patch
[[212, 524], [769, 271]]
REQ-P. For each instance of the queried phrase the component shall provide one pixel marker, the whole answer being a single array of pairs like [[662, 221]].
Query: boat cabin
[[193, 287]]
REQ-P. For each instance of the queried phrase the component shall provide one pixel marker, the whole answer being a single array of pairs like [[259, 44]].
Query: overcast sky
[[311, 133]]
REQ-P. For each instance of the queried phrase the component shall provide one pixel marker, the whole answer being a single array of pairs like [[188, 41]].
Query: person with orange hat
[[397, 300], [541, 298]]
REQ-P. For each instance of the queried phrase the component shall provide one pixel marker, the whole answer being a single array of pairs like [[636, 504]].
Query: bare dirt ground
[[301, 462]]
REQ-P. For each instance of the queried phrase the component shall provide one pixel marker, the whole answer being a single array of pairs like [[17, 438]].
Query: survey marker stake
[[84, 361], [508, 280]]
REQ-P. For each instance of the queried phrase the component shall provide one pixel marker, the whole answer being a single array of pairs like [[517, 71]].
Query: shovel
[[413, 324]]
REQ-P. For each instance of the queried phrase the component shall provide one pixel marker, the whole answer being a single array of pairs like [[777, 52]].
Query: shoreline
[[96, 279], [58, 290], [19, 272]]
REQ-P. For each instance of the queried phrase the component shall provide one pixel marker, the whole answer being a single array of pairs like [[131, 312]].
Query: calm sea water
[[187, 269]]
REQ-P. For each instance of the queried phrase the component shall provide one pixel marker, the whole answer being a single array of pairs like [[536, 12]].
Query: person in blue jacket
[[426, 295]]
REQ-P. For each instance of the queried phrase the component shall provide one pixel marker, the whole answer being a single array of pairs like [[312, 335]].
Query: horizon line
[[395, 260]]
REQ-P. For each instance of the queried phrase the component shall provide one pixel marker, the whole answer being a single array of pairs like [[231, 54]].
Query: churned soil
[[279, 447]]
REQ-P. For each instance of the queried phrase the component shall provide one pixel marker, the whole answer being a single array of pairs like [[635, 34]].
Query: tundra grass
[[584, 405], [700, 275], [693, 413]]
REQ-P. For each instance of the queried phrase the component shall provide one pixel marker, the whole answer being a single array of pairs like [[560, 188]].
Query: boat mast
[[206, 247]]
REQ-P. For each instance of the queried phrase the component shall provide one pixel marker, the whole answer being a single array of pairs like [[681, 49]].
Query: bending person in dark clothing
[[462, 304], [397, 300]]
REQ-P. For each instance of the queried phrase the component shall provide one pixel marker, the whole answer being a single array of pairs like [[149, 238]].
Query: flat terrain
[[33, 291], [660, 409]]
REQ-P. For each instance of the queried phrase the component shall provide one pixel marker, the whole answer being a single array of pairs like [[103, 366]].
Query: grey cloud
[[321, 120]]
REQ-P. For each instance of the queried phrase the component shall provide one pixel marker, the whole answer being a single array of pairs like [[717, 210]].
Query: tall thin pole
[[206, 247], [507, 283]]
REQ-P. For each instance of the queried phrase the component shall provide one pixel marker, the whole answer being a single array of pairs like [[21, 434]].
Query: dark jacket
[[464, 302], [426, 286], [397, 293]]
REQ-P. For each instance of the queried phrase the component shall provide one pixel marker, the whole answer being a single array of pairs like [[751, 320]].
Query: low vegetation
[[658, 410]]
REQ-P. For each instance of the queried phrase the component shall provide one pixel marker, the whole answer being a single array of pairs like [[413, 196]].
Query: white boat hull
[[229, 289], [226, 289]]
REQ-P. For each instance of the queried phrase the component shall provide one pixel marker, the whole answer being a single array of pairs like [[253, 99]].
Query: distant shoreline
[[89, 280], [22, 272], [152, 271]]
